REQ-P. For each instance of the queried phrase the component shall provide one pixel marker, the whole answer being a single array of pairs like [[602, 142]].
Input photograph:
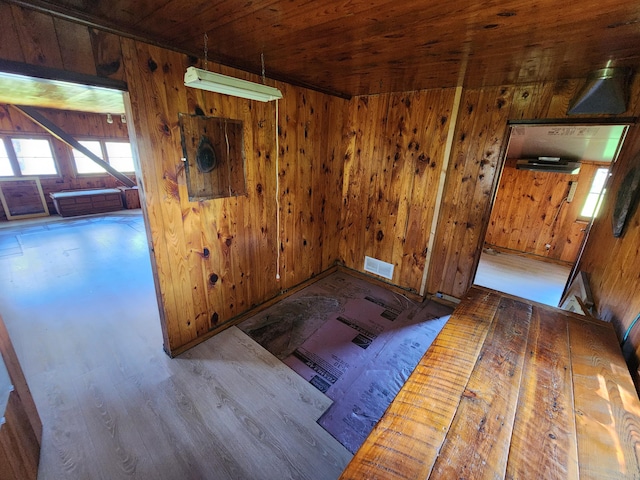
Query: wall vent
[[378, 267]]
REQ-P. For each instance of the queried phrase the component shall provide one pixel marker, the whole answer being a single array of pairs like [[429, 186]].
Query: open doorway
[[552, 183], [77, 288]]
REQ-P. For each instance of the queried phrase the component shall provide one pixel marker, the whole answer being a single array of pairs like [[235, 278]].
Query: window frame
[[11, 155], [105, 156], [13, 158], [128, 142], [582, 218]]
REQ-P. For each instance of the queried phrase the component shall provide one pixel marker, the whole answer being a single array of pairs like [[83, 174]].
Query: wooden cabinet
[[130, 197], [85, 202]]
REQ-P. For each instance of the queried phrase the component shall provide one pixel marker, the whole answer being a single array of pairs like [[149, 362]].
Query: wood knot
[[469, 394]]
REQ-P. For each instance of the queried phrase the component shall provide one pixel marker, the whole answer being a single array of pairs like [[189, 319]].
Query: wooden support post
[[63, 136], [441, 183]]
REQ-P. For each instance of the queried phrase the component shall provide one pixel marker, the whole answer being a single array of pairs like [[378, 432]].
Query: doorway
[[552, 182], [74, 284]]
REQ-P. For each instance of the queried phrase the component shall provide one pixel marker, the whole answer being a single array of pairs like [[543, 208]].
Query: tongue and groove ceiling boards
[[364, 47]]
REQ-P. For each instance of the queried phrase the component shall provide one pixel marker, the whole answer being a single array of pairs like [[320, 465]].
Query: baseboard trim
[[375, 280], [542, 258], [249, 313]]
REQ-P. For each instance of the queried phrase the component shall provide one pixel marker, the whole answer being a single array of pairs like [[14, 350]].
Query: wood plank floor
[[79, 304], [510, 389], [522, 276]]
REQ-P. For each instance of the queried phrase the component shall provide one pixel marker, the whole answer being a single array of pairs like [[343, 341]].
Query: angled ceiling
[[361, 47]]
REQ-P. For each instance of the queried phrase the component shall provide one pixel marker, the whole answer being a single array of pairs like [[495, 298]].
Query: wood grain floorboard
[[273, 408], [114, 433], [67, 449], [81, 310], [524, 277], [267, 374]]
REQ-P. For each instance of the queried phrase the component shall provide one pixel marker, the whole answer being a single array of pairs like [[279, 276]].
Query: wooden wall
[[530, 211], [613, 264], [213, 260], [394, 149], [217, 259], [394, 155], [77, 124], [39, 39], [474, 167]]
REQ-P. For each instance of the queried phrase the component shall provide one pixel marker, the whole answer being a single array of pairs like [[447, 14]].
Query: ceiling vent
[[605, 93]]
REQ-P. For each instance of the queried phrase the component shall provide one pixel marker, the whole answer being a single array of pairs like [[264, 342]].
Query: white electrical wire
[[277, 196], [206, 51]]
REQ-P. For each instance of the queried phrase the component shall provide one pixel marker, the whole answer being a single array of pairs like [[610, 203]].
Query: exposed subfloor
[[79, 303], [522, 276], [355, 341]]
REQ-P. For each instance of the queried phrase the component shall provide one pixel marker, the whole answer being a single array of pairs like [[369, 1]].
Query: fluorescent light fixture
[[216, 82]]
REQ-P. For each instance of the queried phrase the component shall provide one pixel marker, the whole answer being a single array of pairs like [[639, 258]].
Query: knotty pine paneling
[[40, 39], [370, 47], [77, 46], [612, 264], [10, 48], [37, 37], [394, 147], [531, 211], [479, 140], [470, 178], [81, 126], [242, 231], [310, 174], [216, 259]]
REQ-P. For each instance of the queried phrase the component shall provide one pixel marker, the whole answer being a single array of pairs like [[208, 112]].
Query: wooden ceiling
[[371, 46]]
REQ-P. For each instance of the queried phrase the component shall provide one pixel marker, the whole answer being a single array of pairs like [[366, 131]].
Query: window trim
[[105, 156], [13, 158], [75, 165]]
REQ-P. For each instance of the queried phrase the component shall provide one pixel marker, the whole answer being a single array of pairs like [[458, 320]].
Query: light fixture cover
[[216, 82]]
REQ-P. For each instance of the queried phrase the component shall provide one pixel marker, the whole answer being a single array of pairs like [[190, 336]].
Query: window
[[592, 204], [5, 164], [116, 154], [83, 163], [34, 156], [120, 156]]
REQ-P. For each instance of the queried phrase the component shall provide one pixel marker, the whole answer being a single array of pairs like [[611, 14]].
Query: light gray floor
[[78, 300], [522, 276]]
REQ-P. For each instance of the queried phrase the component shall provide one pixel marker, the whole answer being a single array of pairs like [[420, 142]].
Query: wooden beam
[[48, 73], [63, 136], [439, 196], [18, 380]]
